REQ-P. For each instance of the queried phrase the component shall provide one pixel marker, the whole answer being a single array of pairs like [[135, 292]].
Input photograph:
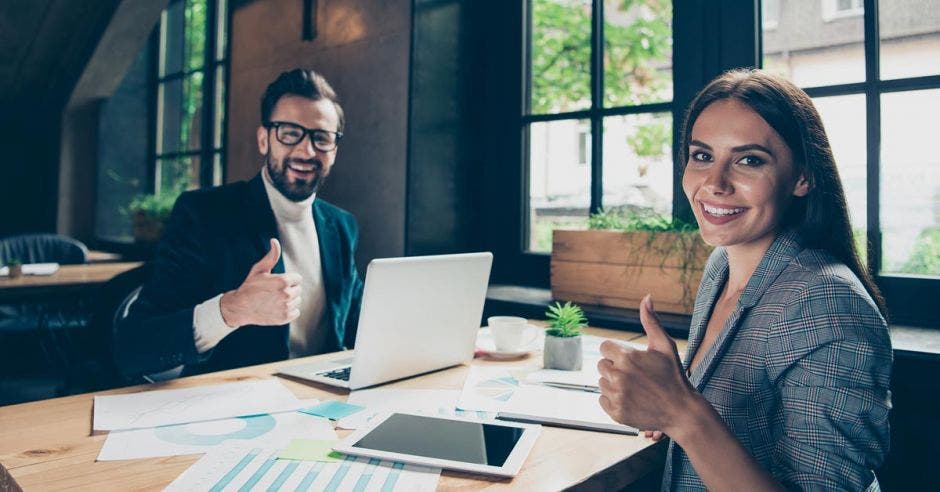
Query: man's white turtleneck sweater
[[300, 251]]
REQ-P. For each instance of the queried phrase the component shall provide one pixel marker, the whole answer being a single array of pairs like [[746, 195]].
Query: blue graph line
[[339, 475], [236, 470], [366, 475], [311, 476], [258, 475], [285, 474], [392, 478]]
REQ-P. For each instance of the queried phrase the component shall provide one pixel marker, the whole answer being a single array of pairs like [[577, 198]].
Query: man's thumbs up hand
[[264, 298]]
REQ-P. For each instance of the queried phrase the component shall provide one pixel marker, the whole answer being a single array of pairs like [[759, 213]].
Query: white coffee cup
[[511, 333]]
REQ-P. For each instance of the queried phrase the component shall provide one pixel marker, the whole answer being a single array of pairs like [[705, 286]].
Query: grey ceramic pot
[[562, 353]]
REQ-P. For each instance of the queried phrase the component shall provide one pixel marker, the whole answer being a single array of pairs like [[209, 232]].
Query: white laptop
[[418, 314]]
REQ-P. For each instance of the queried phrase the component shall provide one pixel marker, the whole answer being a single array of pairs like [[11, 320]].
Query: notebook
[[560, 408]]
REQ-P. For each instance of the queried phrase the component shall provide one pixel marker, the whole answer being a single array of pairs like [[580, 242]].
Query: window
[[190, 100], [835, 9], [599, 91], [872, 78], [770, 14]]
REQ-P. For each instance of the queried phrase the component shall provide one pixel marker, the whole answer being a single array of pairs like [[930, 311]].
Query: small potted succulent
[[15, 267], [563, 337]]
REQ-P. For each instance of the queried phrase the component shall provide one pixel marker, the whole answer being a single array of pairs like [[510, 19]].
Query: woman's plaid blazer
[[799, 373]]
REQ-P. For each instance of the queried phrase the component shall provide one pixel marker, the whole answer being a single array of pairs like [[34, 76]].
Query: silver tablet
[[453, 443]]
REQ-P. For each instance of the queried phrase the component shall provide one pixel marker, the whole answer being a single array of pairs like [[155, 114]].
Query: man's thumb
[[658, 339], [266, 263]]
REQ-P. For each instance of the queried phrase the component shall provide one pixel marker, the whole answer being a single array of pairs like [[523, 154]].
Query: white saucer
[[486, 344]]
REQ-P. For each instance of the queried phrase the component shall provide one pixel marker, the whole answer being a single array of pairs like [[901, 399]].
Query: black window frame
[[210, 64], [704, 46], [909, 297]]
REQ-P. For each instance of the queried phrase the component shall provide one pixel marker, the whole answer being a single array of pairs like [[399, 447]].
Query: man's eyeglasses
[[293, 134]]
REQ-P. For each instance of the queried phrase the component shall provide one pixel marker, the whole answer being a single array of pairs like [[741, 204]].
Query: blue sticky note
[[332, 409]]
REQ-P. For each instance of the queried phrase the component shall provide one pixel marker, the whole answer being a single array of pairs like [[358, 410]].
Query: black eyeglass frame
[[308, 133]]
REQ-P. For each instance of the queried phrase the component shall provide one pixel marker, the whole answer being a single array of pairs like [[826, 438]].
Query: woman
[[785, 380]]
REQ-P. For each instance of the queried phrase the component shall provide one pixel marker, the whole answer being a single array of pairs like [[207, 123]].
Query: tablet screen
[[470, 442]]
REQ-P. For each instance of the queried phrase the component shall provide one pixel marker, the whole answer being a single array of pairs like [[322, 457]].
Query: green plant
[[13, 262], [565, 320], [685, 244], [154, 206]]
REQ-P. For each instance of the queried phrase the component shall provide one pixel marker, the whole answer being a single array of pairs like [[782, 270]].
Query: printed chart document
[[265, 430], [382, 400], [251, 468], [180, 406], [561, 407], [488, 388]]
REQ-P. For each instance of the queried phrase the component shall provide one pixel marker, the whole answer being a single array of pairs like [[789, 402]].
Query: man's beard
[[296, 191]]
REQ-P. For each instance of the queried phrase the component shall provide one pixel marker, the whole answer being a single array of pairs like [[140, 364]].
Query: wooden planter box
[[615, 268]]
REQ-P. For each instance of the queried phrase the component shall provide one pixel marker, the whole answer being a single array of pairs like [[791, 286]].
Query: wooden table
[[69, 278], [48, 445]]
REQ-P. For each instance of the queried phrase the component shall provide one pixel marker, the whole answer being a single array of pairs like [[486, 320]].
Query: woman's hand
[[645, 388]]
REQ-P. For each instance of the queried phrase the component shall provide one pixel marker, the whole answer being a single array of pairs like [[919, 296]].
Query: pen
[[570, 386]]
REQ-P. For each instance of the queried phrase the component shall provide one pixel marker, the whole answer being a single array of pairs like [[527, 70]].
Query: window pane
[[171, 39], [217, 169], [190, 125], [637, 52], [170, 97], [816, 42], [219, 106], [559, 180], [560, 58], [638, 163], [195, 34], [221, 30], [910, 40], [910, 184], [844, 119], [177, 175]]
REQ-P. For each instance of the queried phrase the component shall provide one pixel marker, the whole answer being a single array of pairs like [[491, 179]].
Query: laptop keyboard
[[342, 373]]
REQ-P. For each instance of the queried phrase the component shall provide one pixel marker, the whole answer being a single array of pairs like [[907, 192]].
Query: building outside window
[[865, 110]]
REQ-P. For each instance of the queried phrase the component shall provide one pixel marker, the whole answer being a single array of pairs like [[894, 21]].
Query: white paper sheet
[[559, 406], [267, 430], [252, 468], [202, 403], [588, 375], [488, 388], [382, 400]]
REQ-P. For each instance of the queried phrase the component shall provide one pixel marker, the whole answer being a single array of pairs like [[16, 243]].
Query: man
[[254, 271]]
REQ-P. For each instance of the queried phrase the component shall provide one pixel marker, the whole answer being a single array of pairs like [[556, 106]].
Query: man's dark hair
[[303, 83]]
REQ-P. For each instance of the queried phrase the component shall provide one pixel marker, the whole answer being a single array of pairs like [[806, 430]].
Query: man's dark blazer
[[211, 241]]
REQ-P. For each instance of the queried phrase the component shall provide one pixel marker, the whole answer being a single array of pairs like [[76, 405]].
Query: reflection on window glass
[[844, 120], [222, 30], [560, 56], [638, 163], [910, 184], [171, 39], [559, 187], [910, 39], [813, 48], [190, 126], [195, 34], [175, 176], [637, 52]]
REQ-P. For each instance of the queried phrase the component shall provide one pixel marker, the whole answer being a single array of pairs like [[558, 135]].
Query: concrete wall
[[362, 48]]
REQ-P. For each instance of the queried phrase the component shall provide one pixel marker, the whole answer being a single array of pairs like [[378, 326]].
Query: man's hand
[[264, 298], [644, 388]]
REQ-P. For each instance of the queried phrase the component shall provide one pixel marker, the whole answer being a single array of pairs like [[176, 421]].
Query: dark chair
[[31, 331], [43, 248]]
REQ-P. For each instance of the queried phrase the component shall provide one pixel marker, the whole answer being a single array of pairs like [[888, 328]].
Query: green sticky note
[[311, 450], [332, 409]]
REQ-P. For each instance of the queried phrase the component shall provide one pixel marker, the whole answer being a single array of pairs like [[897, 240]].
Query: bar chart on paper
[[251, 468]]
